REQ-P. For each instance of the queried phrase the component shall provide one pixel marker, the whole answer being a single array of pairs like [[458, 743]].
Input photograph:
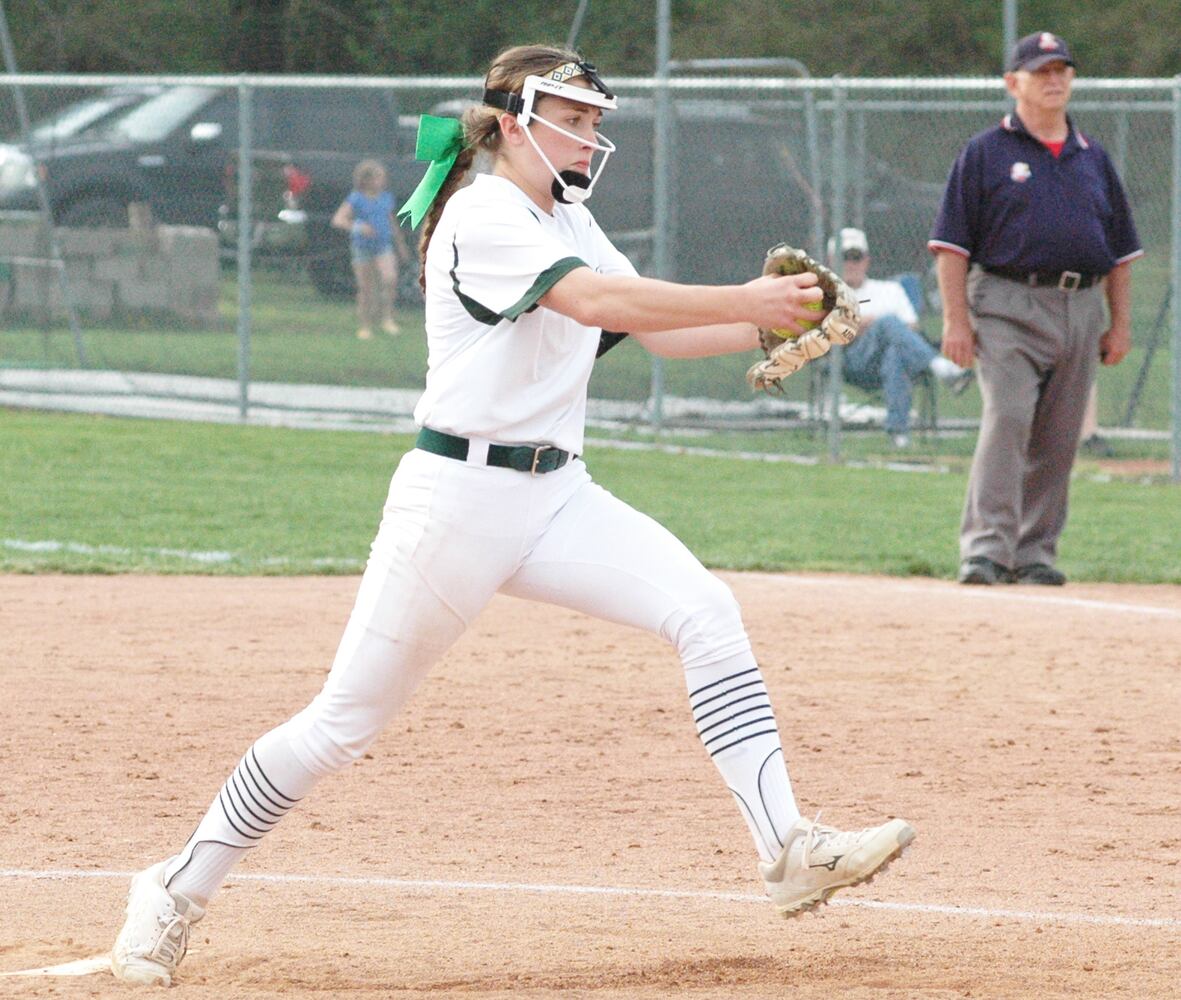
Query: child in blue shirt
[[367, 214]]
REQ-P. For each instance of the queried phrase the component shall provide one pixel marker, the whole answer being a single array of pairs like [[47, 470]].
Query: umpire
[[1033, 235]]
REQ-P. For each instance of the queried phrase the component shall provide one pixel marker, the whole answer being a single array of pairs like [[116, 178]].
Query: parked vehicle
[[176, 149], [167, 151], [17, 178]]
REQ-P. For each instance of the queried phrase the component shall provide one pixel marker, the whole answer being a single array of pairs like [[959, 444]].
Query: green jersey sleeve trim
[[542, 284]]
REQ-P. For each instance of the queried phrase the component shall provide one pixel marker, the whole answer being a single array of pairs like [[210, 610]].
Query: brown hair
[[481, 128]]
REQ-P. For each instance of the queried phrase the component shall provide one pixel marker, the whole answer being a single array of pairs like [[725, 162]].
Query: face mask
[[568, 186]]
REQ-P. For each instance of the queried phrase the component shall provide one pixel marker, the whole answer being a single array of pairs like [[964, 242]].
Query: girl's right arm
[[647, 305], [343, 219]]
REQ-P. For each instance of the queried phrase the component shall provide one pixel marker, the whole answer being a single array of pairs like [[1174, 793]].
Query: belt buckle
[[1069, 281], [537, 453]]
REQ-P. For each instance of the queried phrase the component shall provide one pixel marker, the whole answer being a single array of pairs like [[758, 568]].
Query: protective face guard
[[568, 185]]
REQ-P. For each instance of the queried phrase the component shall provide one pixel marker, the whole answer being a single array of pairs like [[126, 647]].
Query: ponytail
[[453, 183]]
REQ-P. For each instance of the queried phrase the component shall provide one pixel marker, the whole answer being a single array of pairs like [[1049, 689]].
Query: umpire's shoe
[[1040, 573], [817, 860], [156, 933], [981, 569]]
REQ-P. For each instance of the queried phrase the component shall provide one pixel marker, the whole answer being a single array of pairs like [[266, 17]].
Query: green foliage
[[425, 37], [109, 495], [113, 36]]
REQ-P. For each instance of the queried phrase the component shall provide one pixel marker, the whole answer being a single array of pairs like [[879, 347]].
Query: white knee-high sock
[[261, 790], [737, 726]]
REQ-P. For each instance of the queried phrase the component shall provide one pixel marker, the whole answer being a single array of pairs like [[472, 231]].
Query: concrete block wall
[[169, 272]]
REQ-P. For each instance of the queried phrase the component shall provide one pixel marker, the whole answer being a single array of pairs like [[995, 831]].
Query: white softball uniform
[[504, 370], [499, 366]]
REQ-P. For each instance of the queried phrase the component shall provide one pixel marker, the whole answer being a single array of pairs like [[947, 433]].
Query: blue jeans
[[888, 356]]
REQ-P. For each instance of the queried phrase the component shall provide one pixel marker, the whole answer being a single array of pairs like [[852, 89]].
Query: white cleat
[[156, 933], [817, 860]]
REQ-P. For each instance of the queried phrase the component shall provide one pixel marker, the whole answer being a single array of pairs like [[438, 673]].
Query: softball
[[804, 326], [815, 307]]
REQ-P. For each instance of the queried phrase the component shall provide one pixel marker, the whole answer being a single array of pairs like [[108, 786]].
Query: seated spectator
[[890, 352]]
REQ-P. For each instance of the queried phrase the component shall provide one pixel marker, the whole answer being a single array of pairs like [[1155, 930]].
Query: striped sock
[[736, 724], [248, 806]]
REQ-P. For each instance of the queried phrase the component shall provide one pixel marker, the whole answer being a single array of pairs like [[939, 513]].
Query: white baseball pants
[[452, 535]]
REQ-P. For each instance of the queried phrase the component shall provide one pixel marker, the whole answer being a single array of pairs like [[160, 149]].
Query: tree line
[[429, 37]]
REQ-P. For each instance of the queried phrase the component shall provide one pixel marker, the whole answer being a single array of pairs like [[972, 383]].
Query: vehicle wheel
[[95, 212], [408, 290], [7, 287], [332, 274], [330, 266]]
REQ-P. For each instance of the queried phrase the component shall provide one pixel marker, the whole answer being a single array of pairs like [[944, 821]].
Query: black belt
[[1067, 281], [533, 458]]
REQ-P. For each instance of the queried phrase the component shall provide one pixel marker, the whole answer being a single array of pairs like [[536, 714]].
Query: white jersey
[[886, 298], [500, 366]]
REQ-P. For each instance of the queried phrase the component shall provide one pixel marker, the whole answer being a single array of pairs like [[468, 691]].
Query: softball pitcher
[[522, 291]]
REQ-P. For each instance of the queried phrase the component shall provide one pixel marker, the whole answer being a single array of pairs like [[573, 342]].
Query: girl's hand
[[781, 302]]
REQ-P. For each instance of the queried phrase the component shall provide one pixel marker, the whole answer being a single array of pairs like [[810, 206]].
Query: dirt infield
[[542, 821]]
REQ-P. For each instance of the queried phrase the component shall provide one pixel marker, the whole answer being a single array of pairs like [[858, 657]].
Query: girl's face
[[519, 160], [374, 183], [581, 120]]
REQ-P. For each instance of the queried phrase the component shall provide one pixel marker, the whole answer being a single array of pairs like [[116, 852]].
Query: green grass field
[[94, 494]]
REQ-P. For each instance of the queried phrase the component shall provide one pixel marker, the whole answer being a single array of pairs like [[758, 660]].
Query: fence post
[[858, 180], [840, 181], [661, 198], [55, 253], [245, 232], [817, 175], [1176, 280]]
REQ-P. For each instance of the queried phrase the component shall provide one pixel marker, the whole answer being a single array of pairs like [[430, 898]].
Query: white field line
[[631, 892], [987, 593], [1010, 592], [81, 548], [203, 558], [80, 967]]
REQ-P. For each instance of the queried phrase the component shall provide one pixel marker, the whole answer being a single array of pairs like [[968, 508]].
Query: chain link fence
[[146, 295]]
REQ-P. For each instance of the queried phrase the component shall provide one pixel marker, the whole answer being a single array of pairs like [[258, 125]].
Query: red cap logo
[[1047, 42]]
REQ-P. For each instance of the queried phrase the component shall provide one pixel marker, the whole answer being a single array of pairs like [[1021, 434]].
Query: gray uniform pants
[[1037, 351]]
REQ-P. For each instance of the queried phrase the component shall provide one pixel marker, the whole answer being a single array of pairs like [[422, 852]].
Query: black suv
[[176, 148], [168, 150]]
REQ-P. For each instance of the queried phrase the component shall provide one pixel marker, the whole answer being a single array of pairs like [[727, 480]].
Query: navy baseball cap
[[1034, 51]]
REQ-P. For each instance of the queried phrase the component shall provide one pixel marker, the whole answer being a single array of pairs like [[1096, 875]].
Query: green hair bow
[[440, 140]]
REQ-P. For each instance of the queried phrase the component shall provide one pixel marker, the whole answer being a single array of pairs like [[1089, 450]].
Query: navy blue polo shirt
[[1010, 203]]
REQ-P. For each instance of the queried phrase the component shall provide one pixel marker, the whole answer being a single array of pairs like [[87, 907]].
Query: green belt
[[533, 458]]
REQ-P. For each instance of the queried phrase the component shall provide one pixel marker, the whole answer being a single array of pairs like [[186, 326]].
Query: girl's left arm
[[701, 341]]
